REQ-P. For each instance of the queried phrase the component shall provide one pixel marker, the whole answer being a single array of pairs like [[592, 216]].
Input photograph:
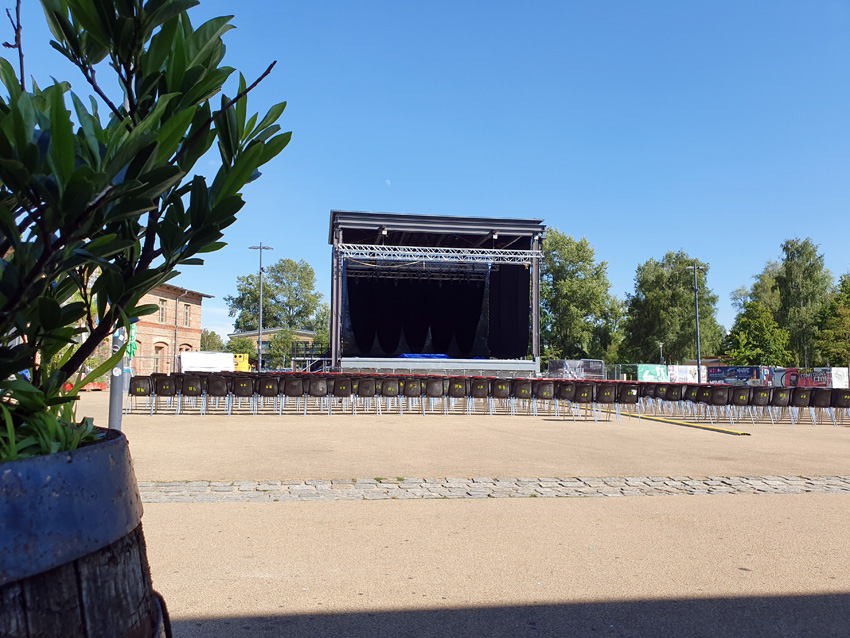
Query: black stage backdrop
[[386, 317]]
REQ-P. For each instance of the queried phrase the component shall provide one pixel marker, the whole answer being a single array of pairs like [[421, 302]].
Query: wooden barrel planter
[[73, 561]]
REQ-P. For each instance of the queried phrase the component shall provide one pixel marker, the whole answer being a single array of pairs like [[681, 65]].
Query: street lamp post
[[661, 351], [261, 248], [696, 312]]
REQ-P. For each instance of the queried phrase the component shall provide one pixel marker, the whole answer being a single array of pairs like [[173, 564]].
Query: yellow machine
[[240, 363]]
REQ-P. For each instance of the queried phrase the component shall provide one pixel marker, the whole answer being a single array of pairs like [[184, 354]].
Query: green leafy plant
[[98, 200]]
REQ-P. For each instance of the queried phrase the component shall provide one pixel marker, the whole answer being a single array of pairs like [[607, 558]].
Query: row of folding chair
[[298, 392], [756, 403], [326, 392]]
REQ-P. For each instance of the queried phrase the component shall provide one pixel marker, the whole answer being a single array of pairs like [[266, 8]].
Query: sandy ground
[[735, 565]]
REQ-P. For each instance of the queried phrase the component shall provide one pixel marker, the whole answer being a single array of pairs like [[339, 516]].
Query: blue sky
[[720, 128]]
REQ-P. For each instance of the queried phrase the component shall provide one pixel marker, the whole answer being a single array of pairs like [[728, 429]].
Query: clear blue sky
[[720, 128]]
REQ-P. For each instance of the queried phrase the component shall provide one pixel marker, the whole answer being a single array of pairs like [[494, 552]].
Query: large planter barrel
[[73, 561]]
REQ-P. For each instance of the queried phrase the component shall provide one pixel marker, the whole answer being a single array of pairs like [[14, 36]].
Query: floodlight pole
[[261, 248]]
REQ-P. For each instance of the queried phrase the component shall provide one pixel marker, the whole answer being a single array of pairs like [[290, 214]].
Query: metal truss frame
[[369, 252]]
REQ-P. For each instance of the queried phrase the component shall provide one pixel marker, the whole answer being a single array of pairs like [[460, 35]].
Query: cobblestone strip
[[481, 487]]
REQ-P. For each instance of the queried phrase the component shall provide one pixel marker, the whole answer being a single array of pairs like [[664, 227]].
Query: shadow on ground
[[778, 617]]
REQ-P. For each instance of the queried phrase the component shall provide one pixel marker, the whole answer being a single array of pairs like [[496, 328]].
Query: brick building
[[175, 328]]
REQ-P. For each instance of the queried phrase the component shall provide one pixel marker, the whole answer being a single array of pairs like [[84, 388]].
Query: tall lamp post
[[261, 248], [696, 311]]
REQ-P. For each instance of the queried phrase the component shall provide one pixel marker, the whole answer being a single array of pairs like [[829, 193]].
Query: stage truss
[[367, 252]]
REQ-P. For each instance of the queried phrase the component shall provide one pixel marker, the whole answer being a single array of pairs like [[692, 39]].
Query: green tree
[[764, 290], [321, 324], [280, 349], [242, 345], [289, 297], [756, 338], [577, 310], [211, 341], [833, 335], [661, 310], [804, 284], [104, 186]]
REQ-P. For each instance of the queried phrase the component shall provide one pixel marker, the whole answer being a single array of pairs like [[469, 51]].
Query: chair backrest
[[585, 392], [522, 388], [647, 390], [674, 392], [318, 386], [801, 397], [412, 387], [821, 397], [740, 395], [501, 389], [164, 386], [390, 387], [719, 395], [840, 398], [192, 386], [760, 396], [434, 387], [780, 397], [704, 394], [342, 387], [217, 386], [293, 386], [566, 390], [692, 393], [661, 391], [606, 392], [242, 387], [628, 393], [544, 389], [140, 386], [457, 387], [268, 386], [479, 387], [366, 387]]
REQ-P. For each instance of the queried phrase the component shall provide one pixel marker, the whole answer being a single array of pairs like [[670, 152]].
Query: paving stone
[[482, 487]]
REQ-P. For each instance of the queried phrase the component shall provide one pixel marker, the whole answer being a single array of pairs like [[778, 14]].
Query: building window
[[187, 313], [163, 307], [160, 357]]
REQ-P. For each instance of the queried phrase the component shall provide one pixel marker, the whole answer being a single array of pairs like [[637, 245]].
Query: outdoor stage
[[464, 288]]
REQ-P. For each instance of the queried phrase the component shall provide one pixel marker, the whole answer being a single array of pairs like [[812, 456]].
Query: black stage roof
[[440, 231]]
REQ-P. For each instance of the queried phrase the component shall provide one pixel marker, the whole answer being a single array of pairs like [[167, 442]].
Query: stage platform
[[462, 367]]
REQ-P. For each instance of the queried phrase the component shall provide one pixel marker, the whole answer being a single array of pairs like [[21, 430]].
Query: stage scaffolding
[[404, 246]]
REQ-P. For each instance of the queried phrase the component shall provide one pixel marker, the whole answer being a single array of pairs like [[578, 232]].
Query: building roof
[[182, 291], [305, 334], [445, 231]]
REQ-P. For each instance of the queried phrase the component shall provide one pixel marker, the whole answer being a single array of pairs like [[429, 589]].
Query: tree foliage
[[280, 349], [661, 310], [833, 335], [104, 187], [756, 338], [804, 284], [211, 341], [289, 297], [764, 290], [242, 345], [321, 325], [579, 316]]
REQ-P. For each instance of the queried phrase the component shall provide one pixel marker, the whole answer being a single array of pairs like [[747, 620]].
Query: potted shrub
[[98, 205]]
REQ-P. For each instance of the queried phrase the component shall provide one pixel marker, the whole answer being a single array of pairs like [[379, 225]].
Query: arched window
[[160, 353]]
